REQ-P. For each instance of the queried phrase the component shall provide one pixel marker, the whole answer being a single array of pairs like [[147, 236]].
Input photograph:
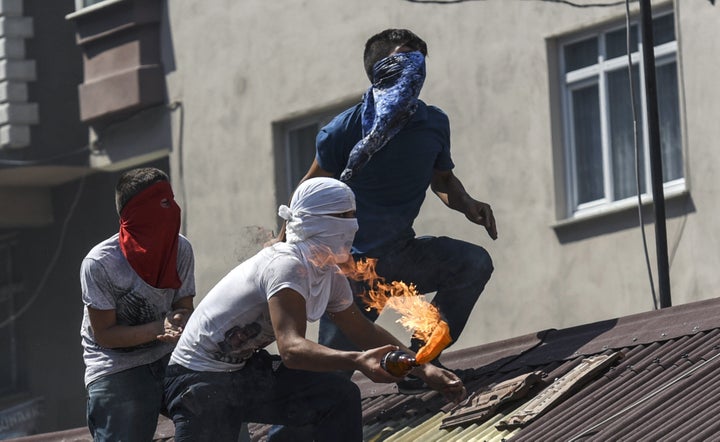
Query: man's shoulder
[[106, 249], [184, 245], [283, 253], [355, 109], [346, 118], [434, 113]]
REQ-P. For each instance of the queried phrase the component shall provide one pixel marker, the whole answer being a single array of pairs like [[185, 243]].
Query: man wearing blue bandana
[[389, 149]]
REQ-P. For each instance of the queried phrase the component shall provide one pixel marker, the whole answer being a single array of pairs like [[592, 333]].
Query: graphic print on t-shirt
[[133, 309], [241, 341]]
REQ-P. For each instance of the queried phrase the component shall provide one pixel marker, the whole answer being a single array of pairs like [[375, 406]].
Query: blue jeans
[[211, 406], [456, 270], [124, 406]]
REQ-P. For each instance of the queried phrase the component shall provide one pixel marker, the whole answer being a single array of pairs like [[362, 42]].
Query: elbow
[[291, 360], [291, 357]]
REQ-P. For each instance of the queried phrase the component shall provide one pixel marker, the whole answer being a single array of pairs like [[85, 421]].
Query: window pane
[[301, 151], [616, 42], [587, 144], [663, 29], [622, 144], [86, 3], [581, 54], [669, 115], [600, 125]]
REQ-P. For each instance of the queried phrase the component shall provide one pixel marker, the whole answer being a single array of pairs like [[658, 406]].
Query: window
[[300, 150], [79, 4], [598, 119], [296, 149]]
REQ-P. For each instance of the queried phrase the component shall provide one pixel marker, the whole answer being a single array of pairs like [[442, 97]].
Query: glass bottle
[[398, 363]]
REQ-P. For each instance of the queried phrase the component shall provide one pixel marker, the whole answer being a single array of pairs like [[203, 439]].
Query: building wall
[[239, 67], [49, 332], [45, 261]]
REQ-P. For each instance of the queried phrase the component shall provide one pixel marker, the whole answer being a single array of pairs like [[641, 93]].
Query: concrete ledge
[[12, 47], [19, 113], [11, 8], [21, 27], [125, 92], [13, 91], [20, 70], [14, 136]]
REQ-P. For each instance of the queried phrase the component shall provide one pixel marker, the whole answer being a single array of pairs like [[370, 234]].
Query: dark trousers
[[124, 406], [456, 270], [211, 406]]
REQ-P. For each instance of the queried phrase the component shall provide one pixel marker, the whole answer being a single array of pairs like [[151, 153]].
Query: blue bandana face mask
[[387, 106]]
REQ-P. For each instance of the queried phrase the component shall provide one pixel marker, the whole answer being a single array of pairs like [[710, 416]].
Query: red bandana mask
[[149, 228]]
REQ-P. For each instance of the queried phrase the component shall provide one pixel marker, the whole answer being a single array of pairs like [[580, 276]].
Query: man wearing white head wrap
[[310, 220], [219, 376]]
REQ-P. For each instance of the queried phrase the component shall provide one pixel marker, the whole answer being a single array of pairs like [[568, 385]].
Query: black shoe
[[412, 385]]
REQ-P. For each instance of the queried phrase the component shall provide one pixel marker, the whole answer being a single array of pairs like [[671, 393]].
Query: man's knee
[[478, 265]]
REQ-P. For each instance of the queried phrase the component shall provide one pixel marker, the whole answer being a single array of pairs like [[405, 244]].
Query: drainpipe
[[655, 153]]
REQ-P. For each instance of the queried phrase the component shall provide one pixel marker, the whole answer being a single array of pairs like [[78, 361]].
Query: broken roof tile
[[482, 404]]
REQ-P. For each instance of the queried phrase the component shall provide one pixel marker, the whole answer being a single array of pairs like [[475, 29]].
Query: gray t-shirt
[[109, 283], [233, 320]]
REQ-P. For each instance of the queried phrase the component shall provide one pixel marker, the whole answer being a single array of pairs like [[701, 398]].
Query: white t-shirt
[[233, 320], [109, 283]]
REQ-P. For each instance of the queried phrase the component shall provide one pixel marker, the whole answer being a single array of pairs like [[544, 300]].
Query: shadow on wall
[[250, 240], [603, 224]]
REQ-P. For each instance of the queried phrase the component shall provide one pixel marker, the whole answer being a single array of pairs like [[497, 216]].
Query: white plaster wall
[[240, 66]]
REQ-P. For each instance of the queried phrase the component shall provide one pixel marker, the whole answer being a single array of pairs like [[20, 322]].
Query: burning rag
[[387, 105], [149, 228], [323, 240]]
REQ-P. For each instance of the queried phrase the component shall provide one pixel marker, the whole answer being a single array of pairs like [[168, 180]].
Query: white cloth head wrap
[[323, 240]]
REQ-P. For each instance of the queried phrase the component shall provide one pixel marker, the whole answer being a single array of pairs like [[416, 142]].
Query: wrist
[[418, 371], [159, 327]]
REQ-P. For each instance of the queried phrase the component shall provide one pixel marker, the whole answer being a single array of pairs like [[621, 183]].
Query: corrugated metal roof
[[665, 387]]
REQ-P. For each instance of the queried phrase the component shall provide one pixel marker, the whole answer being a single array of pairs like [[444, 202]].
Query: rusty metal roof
[[650, 376], [662, 383]]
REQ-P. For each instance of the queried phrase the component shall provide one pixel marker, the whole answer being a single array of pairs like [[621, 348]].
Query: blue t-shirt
[[391, 187]]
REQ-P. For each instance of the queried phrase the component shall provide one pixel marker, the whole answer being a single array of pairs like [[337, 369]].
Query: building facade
[[228, 96]]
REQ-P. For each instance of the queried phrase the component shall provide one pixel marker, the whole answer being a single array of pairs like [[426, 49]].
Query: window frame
[[284, 181], [80, 4], [291, 126], [597, 74]]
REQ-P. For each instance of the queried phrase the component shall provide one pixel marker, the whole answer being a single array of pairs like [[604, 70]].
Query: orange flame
[[436, 342], [416, 313]]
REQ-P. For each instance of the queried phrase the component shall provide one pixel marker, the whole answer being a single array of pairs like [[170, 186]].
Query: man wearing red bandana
[[137, 287]]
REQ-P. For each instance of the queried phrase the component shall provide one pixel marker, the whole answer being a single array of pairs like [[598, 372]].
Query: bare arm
[[176, 319], [315, 171], [287, 312], [452, 193], [109, 334], [367, 335], [362, 332]]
